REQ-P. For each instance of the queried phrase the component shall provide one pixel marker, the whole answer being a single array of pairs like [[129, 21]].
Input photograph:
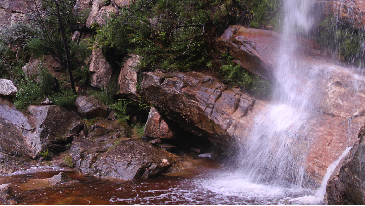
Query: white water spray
[[275, 153]]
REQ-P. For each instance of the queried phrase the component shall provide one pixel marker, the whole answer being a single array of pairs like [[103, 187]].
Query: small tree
[[50, 17]]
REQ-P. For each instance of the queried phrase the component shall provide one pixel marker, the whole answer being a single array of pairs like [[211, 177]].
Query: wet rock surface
[[346, 184], [120, 158], [6, 194], [200, 103]]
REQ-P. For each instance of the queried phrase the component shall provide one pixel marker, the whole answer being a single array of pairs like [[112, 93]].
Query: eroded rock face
[[156, 127], [347, 11], [100, 69], [201, 103], [107, 152], [89, 107], [255, 50], [13, 11], [46, 127], [128, 76], [346, 184]]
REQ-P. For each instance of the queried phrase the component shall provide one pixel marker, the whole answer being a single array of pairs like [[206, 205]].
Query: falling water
[[275, 152]]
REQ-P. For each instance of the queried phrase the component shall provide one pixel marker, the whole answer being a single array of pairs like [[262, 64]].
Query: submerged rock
[[38, 184]]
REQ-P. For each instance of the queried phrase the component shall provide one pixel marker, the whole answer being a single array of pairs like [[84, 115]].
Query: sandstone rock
[[128, 76], [156, 127], [82, 6], [6, 194], [345, 186], [89, 107], [54, 67], [347, 11], [104, 13], [99, 12], [94, 11], [201, 103], [120, 158], [7, 88], [100, 68], [122, 3], [51, 123], [255, 50]]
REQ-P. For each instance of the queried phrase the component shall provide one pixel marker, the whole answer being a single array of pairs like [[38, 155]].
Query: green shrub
[[121, 109], [68, 161], [103, 96], [138, 130], [66, 99], [29, 93], [343, 38]]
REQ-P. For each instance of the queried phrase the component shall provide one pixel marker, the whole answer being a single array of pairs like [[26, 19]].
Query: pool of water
[[208, 186]]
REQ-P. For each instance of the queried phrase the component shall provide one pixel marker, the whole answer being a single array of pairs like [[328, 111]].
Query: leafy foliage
[[341, 37], [265, 12], [169, 35], [234, 74]]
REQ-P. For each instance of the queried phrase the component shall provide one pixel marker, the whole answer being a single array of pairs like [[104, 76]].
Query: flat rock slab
[[89, 107]]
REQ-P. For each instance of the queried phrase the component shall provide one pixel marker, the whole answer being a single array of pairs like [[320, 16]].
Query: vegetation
[[68, 161], [342, 38], [264, 12]]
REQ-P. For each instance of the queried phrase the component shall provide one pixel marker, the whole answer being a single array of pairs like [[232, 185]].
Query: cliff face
[[12, 11]]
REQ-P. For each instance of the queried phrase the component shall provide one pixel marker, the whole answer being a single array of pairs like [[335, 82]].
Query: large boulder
[[89, 107], [200, 103], [346, 184], [52, 128], [44, 128], [107, 151]]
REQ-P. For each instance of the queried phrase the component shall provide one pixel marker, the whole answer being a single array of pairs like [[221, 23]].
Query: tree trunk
[[63, 35]]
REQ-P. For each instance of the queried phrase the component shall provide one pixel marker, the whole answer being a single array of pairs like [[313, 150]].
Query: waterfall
[[284, 154], [275, 151]]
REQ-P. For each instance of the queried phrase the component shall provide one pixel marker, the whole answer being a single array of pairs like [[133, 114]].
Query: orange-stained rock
[[256, 50]]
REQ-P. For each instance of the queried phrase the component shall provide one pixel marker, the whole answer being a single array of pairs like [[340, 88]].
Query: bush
[[66, 99], [341, 37], [121, 110], [168, 35]]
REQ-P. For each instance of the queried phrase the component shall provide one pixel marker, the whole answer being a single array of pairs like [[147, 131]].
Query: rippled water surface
[[209, 187]]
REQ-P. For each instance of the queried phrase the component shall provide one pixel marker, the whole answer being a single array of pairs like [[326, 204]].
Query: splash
[[275, 152]]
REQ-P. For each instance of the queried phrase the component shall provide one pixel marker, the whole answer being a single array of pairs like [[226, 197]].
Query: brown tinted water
[[204, 184]]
